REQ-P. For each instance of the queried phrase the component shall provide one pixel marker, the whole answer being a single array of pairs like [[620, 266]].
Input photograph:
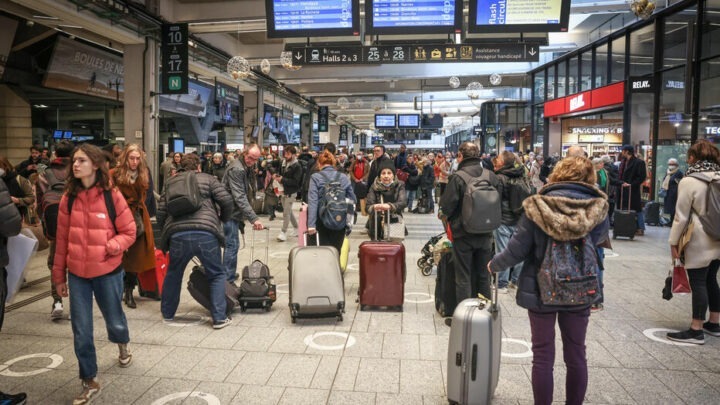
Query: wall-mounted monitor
[[387, 17], [408, 120], [58, 134], [385, 121], [497, 16], [318, 18], [177, 144], [431, 122], [67, 134]]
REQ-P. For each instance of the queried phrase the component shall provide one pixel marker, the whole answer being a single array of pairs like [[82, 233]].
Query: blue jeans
[[410, 198], [183, 247], [502, 237], [108, 291], [232, 245], [641, 220]]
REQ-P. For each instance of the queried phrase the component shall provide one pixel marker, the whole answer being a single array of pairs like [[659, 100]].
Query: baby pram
[[430, 254]]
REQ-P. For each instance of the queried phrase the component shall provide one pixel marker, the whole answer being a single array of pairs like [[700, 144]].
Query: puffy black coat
[[504, 174], [452, 198], [10, 223], [206, 218], [412, 171], [292, 177], [670, 200]]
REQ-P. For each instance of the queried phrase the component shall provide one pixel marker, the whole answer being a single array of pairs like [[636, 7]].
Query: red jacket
[[83, 235]]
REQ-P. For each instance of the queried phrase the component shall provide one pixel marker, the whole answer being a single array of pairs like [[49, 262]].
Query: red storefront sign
[[589, 100]]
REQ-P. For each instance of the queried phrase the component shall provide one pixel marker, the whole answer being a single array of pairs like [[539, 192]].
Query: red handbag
[[402, 175], [680, 279]]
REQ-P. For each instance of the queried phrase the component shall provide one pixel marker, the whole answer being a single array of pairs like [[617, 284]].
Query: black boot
[[128, 297]]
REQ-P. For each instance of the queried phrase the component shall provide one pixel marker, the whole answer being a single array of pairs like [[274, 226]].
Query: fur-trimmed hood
[[567, 210]]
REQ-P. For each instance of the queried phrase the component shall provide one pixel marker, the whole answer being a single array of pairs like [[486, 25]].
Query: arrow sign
[[532, 51], [298, 55]]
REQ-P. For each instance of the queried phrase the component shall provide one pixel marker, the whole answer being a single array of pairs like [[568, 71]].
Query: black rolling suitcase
[[445, 298], [257, 289], [199, 289], [652, 213], [625, 219]]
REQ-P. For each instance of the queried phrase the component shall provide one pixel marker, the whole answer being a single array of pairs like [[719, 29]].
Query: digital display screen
[[487, 16], [414, 16], [408, 121], [67, 134], [58, 134], [432, 122], [177, 144], [227, 100], [385, 121], [290, 18]]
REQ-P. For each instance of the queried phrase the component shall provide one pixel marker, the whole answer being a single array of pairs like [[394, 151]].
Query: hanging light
[[343, 103], [265, 66], [454, 82], [359, 103], [377, 104], [238, 67], [642, 8], [495, 79], [473, 90]]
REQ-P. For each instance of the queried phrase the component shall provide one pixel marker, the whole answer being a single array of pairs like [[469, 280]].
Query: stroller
[[427, 260]]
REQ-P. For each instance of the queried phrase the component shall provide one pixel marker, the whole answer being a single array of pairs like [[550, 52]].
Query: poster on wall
[[84, 69]]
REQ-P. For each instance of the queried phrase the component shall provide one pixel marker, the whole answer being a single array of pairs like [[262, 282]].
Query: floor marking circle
[[209, 398], [55, 360], [353, 267], [650, 334], [310, 341], [280, 254], [279, 290], [187, 320], [431, 297], [527, 353]]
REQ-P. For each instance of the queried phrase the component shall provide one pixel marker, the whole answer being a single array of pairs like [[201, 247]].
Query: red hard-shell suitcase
[[382, 274], [151, 282]]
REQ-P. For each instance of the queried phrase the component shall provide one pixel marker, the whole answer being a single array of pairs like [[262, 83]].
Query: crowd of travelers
[[98, 207]]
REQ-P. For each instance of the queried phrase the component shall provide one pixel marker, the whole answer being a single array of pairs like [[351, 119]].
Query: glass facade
[[586, 70], [601, 70], [617, 60], [642, 51]]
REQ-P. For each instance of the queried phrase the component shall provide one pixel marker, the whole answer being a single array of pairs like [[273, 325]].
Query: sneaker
[[91, 389], [282, 237], [13, 399], [688, 336], [596, 308], [512, 285], [712, 329], [292, 232], [221, 324], [502, 290], [57, 310], [125, 358]]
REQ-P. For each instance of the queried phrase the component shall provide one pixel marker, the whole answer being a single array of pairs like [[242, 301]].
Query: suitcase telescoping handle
[[267, 245], [386, 235], [622, 189], [317, 238]]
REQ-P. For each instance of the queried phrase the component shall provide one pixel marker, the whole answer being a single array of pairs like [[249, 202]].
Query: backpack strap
[[109, 204]]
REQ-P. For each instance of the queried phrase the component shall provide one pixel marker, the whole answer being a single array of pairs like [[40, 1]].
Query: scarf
[[668, 175], [132, 175], [703, 166]]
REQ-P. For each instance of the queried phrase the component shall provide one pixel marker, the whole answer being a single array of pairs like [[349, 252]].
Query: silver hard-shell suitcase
[[474, 351], [316, 282]]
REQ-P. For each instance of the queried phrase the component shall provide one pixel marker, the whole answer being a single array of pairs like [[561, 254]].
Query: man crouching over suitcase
[[197, 234]]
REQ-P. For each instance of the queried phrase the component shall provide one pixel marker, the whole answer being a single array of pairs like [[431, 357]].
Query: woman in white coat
[[701, 254]]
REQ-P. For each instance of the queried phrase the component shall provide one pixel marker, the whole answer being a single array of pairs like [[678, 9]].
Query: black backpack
[[518, 190], [182, 194], [256, 280], [50, 203], [568, 274], [333, 208], [481, 204]]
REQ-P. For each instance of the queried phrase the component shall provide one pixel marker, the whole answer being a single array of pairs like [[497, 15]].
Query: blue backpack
[[333, 208], [568, 274]]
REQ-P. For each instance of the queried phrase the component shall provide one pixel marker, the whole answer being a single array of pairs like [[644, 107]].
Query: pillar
[[15, 125]]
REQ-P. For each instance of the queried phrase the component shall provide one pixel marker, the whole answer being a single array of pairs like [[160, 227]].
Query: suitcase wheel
[[243, 308], [293, 319], [632, 238], [339, 317], [363, 307]]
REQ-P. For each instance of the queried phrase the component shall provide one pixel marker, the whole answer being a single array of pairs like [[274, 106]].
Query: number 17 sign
[[174, 51]]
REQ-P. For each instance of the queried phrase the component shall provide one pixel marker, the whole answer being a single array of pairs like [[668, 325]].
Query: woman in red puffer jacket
[[88, 256]]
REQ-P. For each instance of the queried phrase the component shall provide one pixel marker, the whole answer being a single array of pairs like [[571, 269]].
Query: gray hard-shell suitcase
[[474, 351], [625, 220], [316, 283]]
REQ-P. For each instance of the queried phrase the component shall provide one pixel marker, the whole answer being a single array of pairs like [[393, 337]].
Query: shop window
[[709, 107], [539, 128], [550, 82], [572, 75], [711, 29], [539, 87], [641, 51], [677, 36], [586, 70], [601, 58], [562, 79], [617, 58]]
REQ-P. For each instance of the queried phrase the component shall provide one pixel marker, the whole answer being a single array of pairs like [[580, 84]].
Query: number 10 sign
[[174, 51]]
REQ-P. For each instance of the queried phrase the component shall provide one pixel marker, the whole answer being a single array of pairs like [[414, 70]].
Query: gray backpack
[[481, 211], [711, 220]]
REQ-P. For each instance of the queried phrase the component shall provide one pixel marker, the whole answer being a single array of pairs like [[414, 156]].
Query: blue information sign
[[393, 13], [291, 18]]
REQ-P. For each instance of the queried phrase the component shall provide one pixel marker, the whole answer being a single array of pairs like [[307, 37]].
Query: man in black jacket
[[380, 161], [632, 173], [30, 166], [291, 176], [413, 181], [472, 251], [10, 225], [199, 234]]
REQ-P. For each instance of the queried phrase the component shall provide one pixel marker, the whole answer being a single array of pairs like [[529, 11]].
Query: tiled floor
[[370, 357]]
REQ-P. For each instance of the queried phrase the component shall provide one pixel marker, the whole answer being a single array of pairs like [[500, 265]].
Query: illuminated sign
[[577, 102]]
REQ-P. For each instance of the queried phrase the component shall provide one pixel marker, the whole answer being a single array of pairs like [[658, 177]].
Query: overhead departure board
[[488, 16], [291, 18], [413, 16]]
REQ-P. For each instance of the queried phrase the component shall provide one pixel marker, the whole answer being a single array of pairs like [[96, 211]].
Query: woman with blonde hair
[[132, 177], [570, 208]]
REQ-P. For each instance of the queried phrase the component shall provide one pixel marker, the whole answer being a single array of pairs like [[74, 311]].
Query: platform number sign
[[174, 51]]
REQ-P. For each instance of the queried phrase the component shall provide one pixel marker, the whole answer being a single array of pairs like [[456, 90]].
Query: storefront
[[652, 85]]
